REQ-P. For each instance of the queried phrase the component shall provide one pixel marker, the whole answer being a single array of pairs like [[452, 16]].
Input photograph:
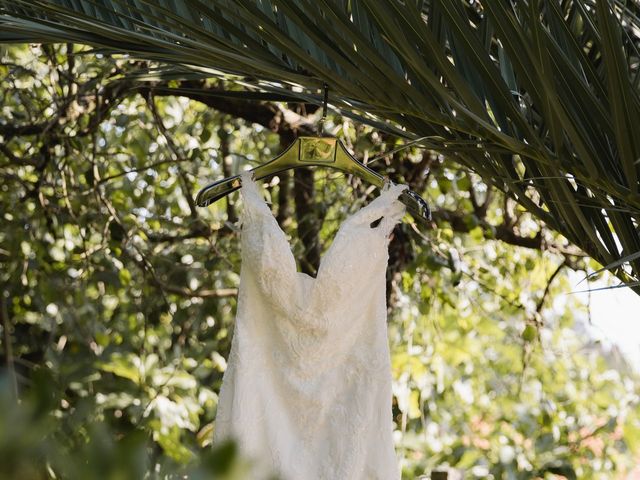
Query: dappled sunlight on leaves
[[120, 298]]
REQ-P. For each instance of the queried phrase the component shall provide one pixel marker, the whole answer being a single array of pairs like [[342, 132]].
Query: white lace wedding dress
[[307, 390]]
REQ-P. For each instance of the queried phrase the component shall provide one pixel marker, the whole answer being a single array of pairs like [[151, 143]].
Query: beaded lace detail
[[307, 390]]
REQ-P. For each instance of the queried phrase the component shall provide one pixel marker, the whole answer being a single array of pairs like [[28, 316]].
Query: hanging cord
[[320, 131], [325, 101]]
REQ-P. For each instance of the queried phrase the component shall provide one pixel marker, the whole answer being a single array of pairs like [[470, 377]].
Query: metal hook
[[324, 108]]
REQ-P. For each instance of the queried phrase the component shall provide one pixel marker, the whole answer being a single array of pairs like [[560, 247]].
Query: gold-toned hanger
[[320, 151]]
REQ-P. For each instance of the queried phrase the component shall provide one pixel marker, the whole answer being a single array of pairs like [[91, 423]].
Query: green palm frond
[[546, 91]]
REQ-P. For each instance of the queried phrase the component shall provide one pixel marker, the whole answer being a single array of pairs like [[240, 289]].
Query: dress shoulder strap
[[249, 188], [387, 206], [254, 206]]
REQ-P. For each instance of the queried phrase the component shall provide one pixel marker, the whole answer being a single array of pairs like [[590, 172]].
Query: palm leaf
[[534, 95]]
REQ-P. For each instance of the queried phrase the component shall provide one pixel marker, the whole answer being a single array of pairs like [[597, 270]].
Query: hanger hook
[[324, 108]]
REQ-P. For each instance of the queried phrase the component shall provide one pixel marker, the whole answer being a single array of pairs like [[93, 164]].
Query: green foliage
[[539, 97], [37, 442], [118, 297]]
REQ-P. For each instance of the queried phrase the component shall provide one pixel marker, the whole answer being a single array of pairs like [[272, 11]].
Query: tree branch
[[8, 344], [502, 232], [266, 114]]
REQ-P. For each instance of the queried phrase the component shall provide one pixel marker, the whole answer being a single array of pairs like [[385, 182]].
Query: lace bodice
[[307, 390]]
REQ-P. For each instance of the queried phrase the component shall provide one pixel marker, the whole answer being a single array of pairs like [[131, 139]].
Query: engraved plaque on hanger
[[313, 149]]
